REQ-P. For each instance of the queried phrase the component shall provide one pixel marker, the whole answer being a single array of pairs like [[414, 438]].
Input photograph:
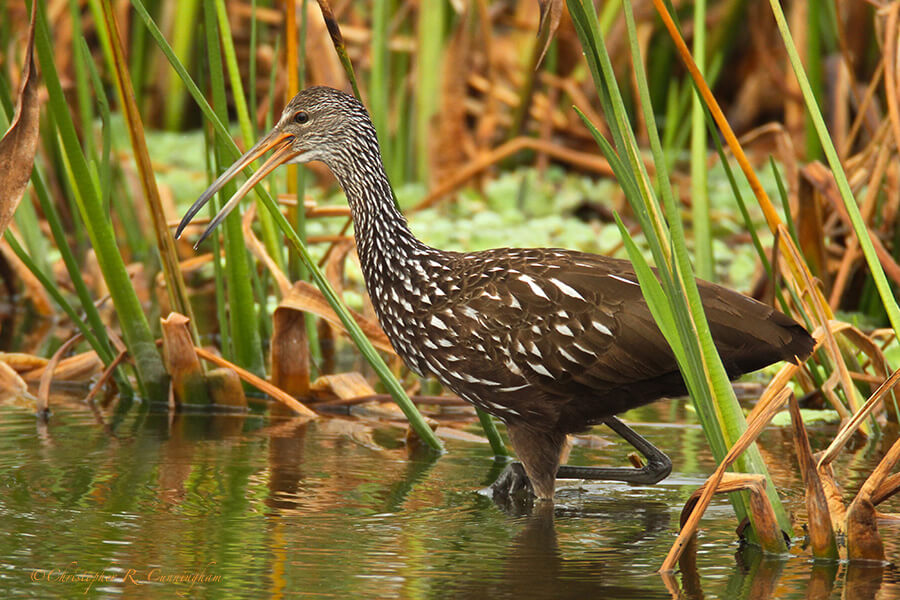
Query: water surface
[[247, 507]]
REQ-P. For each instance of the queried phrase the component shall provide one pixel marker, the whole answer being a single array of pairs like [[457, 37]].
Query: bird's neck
[[386, 246]]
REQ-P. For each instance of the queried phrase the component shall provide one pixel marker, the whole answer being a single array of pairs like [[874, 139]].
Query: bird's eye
[[301, 117]]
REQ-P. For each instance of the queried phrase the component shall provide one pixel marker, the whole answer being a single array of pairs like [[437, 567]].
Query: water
[[246, 507]]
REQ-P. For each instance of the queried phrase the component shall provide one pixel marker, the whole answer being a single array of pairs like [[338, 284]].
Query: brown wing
[[529, 330], [537, 329], [589, 325]]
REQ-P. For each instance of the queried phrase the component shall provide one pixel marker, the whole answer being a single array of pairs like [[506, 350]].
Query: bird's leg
[[657, 468], [539, 452]]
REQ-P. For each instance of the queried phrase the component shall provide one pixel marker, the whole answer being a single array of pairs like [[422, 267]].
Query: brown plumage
[[550, 341]]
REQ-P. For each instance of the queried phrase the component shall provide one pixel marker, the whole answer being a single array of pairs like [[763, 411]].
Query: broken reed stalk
[[821, 533], [187, 377], [888, 487], [758, 419], [43, 397], [833, 494], [863, 539], [105, 376]]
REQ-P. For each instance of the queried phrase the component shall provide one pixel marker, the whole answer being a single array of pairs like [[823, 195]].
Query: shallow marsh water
[[249, 507]]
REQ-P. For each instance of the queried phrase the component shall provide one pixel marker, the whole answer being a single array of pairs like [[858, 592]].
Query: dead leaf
[[21, 362], [345, 386], [334, 268], [47, 374], [10, 380], [307, 298], [459, 435], [18, 146], [80, 368], [551, 11]]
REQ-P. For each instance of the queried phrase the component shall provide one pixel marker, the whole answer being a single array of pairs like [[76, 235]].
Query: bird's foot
[[512, 491], [513, 481]]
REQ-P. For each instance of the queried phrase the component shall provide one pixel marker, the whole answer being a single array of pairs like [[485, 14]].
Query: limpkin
[[550, 341]]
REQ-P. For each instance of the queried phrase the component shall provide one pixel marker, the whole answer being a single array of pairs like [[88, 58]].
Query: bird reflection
[[536, 568]]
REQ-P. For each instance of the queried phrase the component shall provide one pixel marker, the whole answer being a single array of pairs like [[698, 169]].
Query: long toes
[[659, 470], [512, 481]]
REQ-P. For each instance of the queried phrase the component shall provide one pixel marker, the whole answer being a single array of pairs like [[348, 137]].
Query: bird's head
[[319, 123]]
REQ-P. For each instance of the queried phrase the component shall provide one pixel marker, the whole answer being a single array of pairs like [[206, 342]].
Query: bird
[[550, 341]]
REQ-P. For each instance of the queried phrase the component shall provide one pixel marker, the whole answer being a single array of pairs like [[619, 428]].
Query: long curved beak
[[277, 140]]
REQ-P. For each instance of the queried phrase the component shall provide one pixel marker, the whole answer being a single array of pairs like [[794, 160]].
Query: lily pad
[[783, 419]]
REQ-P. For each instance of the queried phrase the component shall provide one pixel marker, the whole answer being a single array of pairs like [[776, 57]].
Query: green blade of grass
[[269, 235], [175, 286], [834, 161], [246, 343], [152, 376], [184, 34], [430, 43], [653, 292], [53, 289], [379, 79], [723, 404], [492, 433], [82, 87], [815, 70], [703, 248], [785, 202]]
